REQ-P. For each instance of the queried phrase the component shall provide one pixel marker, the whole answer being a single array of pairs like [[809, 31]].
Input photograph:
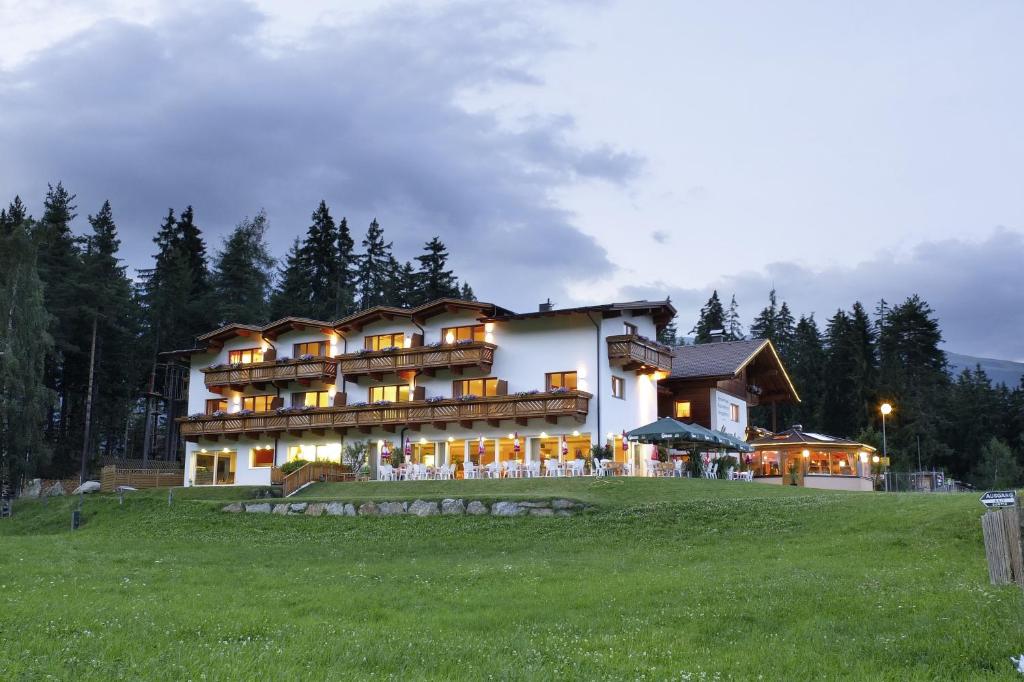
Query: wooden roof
[[726, 359]]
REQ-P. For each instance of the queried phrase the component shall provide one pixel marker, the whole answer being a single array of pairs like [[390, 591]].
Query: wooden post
[[1002, 532]]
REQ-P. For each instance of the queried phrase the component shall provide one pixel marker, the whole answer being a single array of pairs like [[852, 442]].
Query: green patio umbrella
[[667, 429], [729, 441]]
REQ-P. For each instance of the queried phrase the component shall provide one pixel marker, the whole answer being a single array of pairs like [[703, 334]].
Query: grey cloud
[[975, 287], [660, 236], [197, 110]]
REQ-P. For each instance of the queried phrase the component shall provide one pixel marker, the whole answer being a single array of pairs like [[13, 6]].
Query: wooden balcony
[[631, 352], [439, 414], [259, 374], [455, 357]]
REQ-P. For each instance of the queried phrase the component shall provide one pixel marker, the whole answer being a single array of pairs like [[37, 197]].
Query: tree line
[[80, 337], [966, 425]]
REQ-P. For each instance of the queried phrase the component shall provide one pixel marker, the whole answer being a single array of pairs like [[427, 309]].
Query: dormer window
[[245, 356]]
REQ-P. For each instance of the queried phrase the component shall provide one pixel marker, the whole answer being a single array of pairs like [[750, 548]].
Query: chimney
[[797, 427], [717, 335], [546, 307]]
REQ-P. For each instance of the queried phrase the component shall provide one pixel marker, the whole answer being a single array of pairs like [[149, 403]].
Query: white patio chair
[[577, 467], [730, 474], [385, 472], [598, 468], [551, 467], [627, 469], [533, 469], [748, 475], [493, 470], [470, 470]]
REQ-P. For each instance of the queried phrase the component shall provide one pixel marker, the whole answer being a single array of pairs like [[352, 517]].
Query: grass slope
[[667, 579]]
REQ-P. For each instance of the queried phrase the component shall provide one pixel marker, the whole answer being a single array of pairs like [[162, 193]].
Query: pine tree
[[841, 413], [669, 334], [14, 215], [118, 362], [320, 256], [733, 325], [25, 343], [348, 267], [408, 292], [997, 466], [807, 370], [192, 240], [375, 268], [241, 277], [466, 292], [292, 295], [712, 317], [785, 329], [434, 280], [774, 323]]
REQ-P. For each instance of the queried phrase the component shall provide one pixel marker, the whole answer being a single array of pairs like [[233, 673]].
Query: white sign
[[999, 498]]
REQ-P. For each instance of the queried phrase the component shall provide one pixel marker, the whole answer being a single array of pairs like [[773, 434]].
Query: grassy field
[[664, 579]]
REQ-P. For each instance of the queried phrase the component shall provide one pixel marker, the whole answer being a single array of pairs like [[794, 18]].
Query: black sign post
[[999, 498]]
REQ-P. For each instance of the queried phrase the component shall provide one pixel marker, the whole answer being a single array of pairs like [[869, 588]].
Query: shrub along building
[[714, 384], [450, 381]]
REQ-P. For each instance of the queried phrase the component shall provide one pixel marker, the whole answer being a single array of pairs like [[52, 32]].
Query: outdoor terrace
[[438, 413], [428, 359], [632, 352], [278, 372]]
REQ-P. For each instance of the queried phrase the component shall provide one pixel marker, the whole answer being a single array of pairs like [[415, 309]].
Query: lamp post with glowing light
[[885, 409]]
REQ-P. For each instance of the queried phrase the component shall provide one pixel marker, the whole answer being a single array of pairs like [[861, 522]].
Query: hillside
[[664, 578], [999, 371]]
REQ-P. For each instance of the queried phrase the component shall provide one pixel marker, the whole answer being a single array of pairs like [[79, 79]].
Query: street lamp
[[885, 409]]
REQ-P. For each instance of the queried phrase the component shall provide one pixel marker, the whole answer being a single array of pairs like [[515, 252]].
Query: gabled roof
[[276, 327], [726, 359], [795, 435], [661, 311], [360, 319]]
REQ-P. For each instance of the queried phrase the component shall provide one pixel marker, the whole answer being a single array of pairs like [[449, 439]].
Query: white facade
[[526, 351], [728, 413]]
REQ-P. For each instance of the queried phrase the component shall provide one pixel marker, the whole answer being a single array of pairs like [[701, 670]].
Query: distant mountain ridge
[[999, 371]]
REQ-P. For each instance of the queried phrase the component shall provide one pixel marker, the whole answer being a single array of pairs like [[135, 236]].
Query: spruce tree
[[25, 342], [669, 334], [376, 269], [466, 292], [347, 269], [320, 256], [712, 317], [293, 294], [733, 324], [15, 214], [192, 240], [242, 273], [407, 292], [806, 367], [841, 413], [435, 281]]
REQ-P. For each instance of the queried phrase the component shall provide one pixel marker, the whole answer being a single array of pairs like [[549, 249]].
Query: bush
[[294, 465]]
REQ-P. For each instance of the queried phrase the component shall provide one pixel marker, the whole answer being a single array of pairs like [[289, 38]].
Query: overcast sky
[[583, 151]]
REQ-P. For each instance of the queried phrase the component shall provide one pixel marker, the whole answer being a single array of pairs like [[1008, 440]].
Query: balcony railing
[[261, 373], [456, 358], [632, 352], [439, 413]]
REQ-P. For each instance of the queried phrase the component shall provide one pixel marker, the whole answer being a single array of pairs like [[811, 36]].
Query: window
[[396, 394], [262, 457], [630, 328], [245, 356], [257, 403], [561, 380], [618, 387], [480, 387], [473, 332], [734, 412], [311, 399], [682, 409], [216, 405], [317, 349], [330, 452], [378, 341]]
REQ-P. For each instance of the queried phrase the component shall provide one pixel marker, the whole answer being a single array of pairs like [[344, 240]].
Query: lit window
[[474, 332], [216, 405], [331, 452], [257, 403], [481, 387], [262, 457], [311, 399], [734, 412], [561, 380], [682, 409], [378, 341], [315, 348], [618, 387], [245, 356], [396, 394]]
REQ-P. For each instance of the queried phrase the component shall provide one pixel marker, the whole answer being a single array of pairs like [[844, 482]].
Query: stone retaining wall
[[447, 507]]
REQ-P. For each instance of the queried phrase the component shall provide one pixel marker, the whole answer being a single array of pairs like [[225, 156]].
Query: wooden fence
[[113, 476], [315, 471], [1002, 532]]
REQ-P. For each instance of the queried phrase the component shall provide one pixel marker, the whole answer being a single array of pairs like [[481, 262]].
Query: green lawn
[[663, 579]]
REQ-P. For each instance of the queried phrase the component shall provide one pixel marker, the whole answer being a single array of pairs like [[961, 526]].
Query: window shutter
[[367, 342], [502, 387], [276, 403], [417, 341], [270, 354], [339, 399], [456, 389], [419, 393]]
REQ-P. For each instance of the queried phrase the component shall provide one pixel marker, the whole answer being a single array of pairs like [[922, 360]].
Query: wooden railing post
[[1002, 532]]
